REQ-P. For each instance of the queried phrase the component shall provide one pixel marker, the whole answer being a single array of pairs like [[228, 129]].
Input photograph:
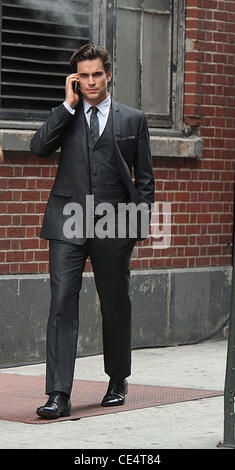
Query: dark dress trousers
[[103, 171]]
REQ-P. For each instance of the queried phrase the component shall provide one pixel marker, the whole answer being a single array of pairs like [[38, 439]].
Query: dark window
[[37, 39], [148, 52], [143, 57], [144, 37]]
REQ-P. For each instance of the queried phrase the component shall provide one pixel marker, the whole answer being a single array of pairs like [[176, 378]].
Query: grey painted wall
[[178, 306]]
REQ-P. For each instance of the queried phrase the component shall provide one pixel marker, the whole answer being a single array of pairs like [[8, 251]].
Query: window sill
[[178, 147], [18, 140]]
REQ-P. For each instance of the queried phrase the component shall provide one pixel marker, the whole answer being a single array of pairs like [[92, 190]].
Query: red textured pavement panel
[[21, 395]]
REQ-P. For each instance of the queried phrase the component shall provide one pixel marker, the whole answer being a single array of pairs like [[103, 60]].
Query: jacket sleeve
[[48, 138], [144, 178]]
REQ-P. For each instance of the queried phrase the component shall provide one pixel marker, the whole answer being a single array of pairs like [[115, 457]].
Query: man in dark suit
[[100, 141]]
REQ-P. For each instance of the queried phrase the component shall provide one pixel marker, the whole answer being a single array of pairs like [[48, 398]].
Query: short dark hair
[[91, 51]]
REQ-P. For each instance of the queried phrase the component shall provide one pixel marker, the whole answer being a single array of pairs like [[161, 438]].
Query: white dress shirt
[[103, 112]]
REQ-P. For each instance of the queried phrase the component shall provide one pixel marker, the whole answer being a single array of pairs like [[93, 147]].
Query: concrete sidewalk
[[194, 424]]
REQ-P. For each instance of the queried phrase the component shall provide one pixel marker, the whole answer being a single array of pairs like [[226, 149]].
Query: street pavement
[[196, 424]]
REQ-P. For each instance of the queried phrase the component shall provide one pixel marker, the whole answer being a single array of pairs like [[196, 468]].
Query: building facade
[[175, 59]]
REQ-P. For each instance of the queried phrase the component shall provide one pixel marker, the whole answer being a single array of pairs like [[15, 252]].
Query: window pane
[[149, 4], [127, 58], [156, 63], [157, 4], [129, 3], [38, 38]]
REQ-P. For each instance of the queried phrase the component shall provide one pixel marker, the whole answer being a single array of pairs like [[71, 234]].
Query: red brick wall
[[200, 191], [25, 183]]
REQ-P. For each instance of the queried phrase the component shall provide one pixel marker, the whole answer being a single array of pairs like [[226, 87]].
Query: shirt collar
[[103, 107]]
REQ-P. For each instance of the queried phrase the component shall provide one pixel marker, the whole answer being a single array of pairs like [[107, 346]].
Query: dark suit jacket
[[66, 131]]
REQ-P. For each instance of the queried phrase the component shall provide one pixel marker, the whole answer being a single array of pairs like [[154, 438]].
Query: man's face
[[93, 80]]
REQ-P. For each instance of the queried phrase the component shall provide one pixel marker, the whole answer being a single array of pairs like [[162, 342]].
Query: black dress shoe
[[116, 392], [57, 405]]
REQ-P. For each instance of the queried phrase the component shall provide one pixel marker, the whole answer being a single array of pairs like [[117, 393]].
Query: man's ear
[[109, 76]]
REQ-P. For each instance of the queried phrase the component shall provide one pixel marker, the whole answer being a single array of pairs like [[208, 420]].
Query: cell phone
[[76, 88]]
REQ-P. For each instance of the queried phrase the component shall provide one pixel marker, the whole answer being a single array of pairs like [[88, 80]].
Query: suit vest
[[105, 182]]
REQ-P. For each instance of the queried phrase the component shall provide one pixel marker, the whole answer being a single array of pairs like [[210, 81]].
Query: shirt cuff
[[71, 110]]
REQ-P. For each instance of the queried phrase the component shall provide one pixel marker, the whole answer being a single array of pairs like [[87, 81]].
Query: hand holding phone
[[76, 89], [72, 90]]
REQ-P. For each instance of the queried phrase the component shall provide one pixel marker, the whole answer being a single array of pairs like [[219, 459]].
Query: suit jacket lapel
[[117, 121], [122, 166]]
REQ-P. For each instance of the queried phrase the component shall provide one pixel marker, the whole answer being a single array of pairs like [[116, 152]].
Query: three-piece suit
[[104, 171]]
